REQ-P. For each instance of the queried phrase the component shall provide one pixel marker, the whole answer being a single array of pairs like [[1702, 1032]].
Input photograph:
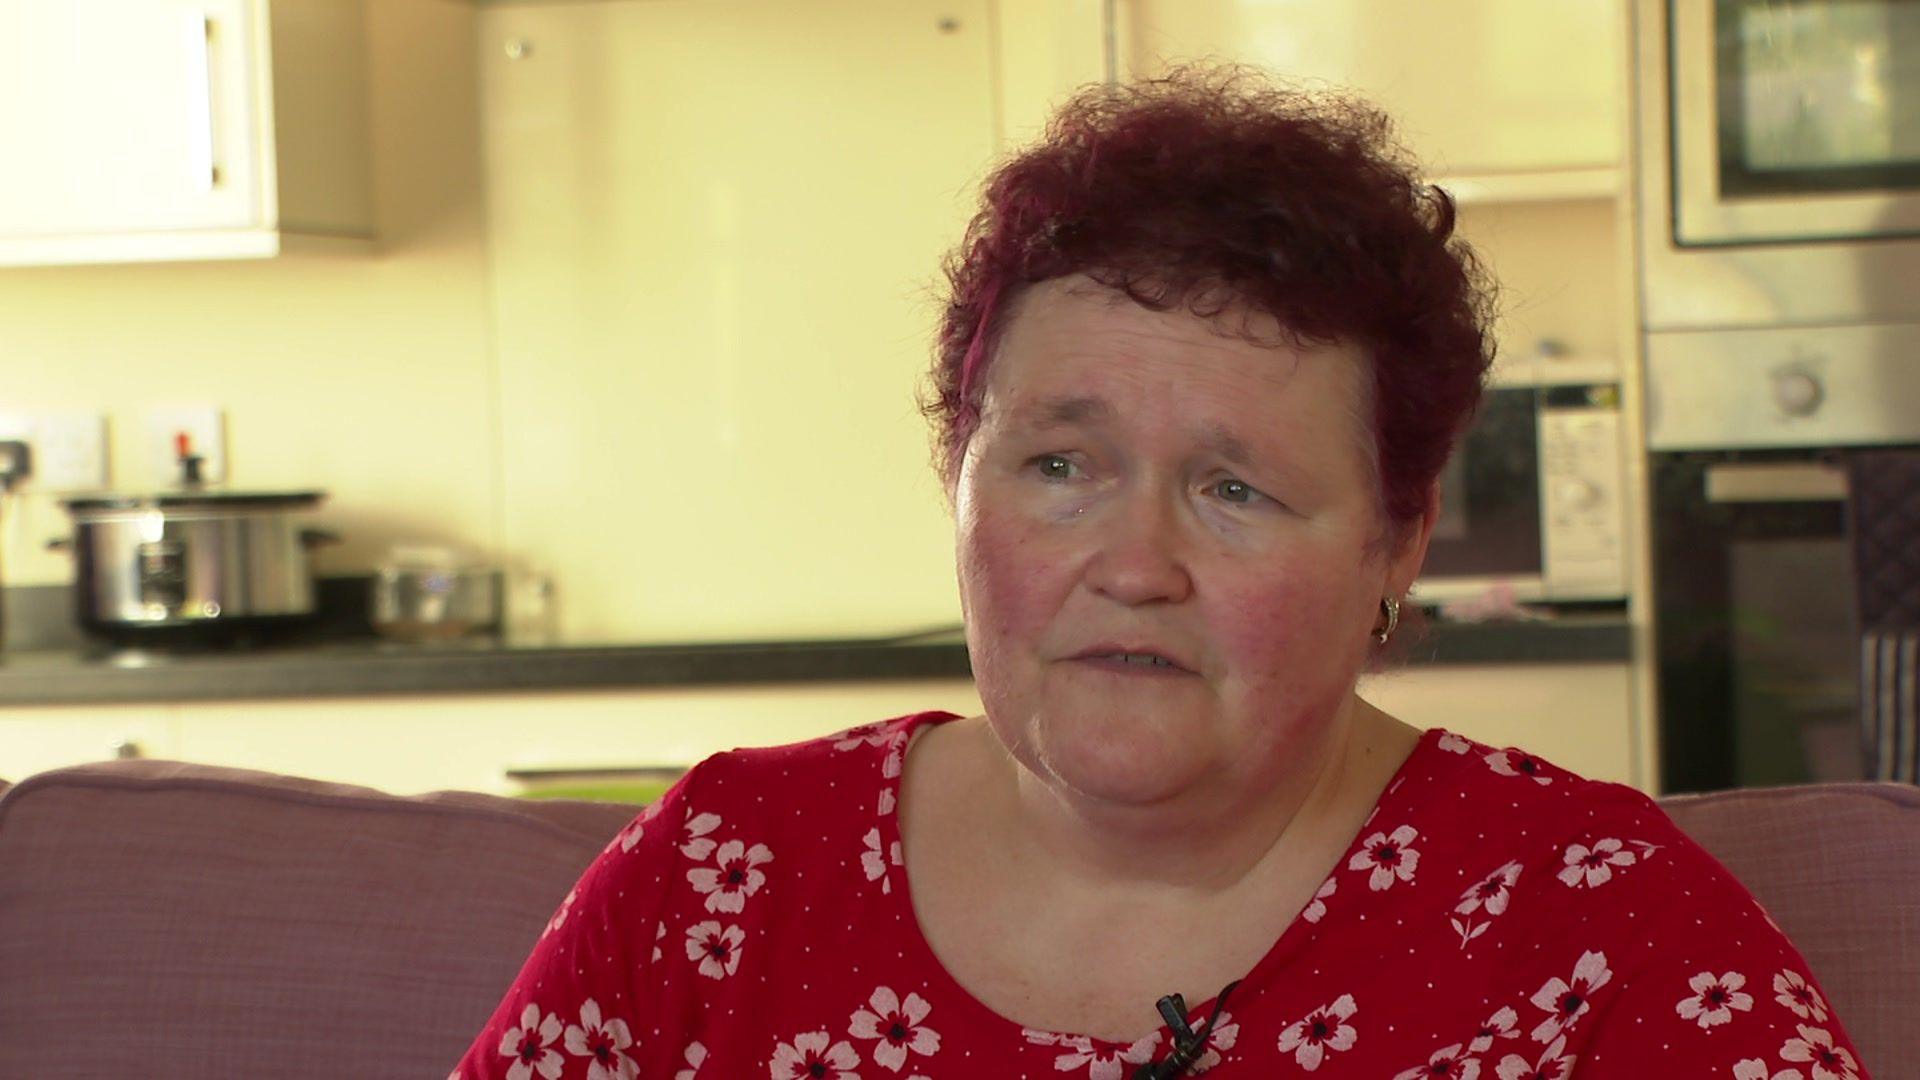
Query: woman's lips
[[1122, 665]]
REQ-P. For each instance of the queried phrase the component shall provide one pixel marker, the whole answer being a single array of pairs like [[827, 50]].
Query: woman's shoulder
[[1571, 833], [1525, 790], [1589, 846], [849, 769]]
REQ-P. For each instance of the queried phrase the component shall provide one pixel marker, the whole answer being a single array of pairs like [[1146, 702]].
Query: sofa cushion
[[182, 920], [1838, 867]]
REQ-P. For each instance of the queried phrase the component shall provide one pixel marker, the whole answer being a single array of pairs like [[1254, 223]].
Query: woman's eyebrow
[[1228, 445], [1084, 411], [1064, 412]]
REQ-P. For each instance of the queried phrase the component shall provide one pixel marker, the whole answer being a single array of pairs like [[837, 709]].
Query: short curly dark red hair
[[1214, 187]]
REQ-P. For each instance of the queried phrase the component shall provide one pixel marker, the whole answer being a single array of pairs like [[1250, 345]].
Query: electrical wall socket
[[206, 435], [71, 452], [69, 448]]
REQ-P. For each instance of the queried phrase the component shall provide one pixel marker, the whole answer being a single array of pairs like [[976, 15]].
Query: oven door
[[1756, 623], [1794, 120]]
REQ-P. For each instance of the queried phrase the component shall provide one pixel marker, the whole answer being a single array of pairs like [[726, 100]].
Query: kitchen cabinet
[[37, 739], [1508, 99], [140, 130], [1577, 716], [472, 741]]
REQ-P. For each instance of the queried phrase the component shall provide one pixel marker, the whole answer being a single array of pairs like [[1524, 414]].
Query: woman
[[1208, 347]]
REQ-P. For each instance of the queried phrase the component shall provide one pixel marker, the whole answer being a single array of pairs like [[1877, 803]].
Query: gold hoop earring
[[1390, 609]]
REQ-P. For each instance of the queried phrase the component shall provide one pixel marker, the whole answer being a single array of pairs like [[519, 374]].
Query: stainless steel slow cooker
[[192, 565]]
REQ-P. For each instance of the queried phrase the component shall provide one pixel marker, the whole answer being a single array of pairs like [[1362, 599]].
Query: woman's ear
[[1410, 548]]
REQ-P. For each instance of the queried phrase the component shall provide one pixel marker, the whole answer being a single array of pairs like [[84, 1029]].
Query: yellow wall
[[716, 230]]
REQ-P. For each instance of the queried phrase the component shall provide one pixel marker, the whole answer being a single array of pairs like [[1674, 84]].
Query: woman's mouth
[[1132, 663]]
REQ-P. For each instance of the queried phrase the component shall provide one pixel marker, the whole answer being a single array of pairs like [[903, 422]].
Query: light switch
[[206, 438]]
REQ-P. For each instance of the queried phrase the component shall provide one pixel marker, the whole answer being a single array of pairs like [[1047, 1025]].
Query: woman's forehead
[[1073, 357]]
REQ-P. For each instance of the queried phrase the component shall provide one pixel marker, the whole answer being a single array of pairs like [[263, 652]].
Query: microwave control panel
[[1582, 519]]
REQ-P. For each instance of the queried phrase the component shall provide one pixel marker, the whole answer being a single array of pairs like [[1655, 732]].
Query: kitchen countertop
[[371, 666]]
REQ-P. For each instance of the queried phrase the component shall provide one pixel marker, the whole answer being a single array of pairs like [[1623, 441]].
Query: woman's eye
[[1234, 491], [1052, 466]]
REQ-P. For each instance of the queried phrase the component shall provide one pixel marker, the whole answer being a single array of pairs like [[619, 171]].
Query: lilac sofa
[[168, 920]]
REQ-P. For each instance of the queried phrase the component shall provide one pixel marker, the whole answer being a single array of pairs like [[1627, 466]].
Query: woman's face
[[1141, 482]]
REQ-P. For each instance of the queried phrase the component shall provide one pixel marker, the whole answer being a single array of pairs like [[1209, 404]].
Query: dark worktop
[[77, 674]]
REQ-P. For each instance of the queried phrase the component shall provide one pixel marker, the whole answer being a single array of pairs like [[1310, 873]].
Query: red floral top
[[1497, 917]]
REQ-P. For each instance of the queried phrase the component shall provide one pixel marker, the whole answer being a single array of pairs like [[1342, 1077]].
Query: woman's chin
[[1122, 758]]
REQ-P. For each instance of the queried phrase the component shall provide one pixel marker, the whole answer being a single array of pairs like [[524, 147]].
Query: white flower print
[[1592, 866], [874, 864], [1566, 1002], [734, 876], [1042, 1038], [698, 845], [629, 836], [1103, 1064], [717, 950], [1756, 1069], [1714, 999], [1225, 1033], [1317, 909], [1553, 1064], [1497, 1026], [1468, 930], [887, 801], [896, 758], [1454, 744], [696, 1056], [810, 1056], [1309, 1038], [1518, 763], [659, 934], [1388, 856], [1450, 1062], [602, 1043], [898, 1025], [1490, 892], [1791, 990], [559, 918], [1815, 1047], [531, 1045], [864, 735]]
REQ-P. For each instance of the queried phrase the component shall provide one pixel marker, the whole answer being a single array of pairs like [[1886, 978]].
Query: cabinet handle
[[1764, 482], [205, 171]]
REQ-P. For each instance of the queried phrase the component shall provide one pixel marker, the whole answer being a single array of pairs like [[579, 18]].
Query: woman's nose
[[1139, 557]]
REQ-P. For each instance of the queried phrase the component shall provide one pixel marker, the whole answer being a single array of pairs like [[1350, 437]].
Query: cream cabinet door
[[1578, 716], [129, 115], [486, 742], [37, 738], [1476, 86]]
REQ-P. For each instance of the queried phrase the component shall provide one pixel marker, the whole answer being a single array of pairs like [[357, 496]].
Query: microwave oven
[[1531, 502]]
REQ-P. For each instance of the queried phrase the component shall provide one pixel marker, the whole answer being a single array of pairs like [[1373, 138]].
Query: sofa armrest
[[187, 920]]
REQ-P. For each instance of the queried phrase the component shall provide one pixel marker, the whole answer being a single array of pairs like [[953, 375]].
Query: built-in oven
[[1786, 591], [1778, 223]]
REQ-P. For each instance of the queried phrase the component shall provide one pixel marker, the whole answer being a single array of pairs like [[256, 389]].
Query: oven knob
[[1797, 393], [1574, 493]]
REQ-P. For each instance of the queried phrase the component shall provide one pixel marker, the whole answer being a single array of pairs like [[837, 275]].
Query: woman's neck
[[1239, 828]]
